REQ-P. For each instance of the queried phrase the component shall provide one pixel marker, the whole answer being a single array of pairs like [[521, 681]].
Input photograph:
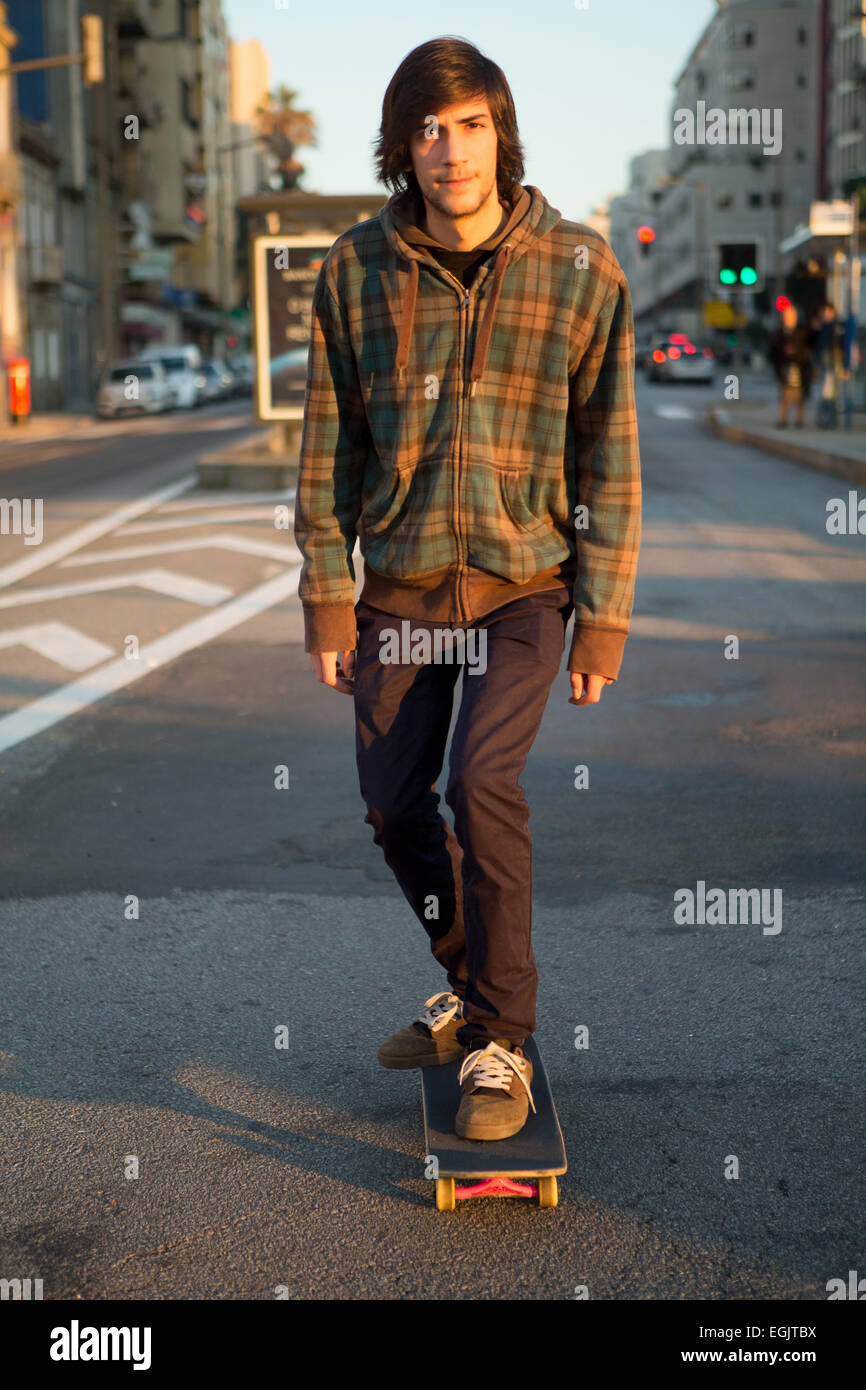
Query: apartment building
[[178, 232], [844, 42], [761, 58], [57, 280]]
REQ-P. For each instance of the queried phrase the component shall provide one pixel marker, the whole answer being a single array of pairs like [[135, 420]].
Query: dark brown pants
[[470, 889]]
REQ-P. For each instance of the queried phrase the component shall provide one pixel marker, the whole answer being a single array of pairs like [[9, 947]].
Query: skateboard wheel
[[548, 1192], [445, 1199]]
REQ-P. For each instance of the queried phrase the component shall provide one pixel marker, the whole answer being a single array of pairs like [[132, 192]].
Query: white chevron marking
[[59, 643], [288, 553], [181, 586]]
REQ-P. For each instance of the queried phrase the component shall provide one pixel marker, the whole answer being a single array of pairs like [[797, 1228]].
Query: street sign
[[831, 219], [285, 270], [156, 263], [718, 314]]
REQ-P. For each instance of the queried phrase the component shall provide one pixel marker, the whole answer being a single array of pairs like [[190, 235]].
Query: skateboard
[[526, 1165]]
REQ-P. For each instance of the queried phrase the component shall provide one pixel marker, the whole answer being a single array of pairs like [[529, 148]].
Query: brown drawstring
[[482, 342], [407, 316]]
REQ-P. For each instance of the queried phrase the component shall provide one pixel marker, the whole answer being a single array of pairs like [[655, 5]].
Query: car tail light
[[689, 348], [658, 355], [673, 353], [708, 352]]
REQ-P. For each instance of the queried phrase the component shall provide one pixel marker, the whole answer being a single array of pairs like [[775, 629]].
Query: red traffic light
[[783, 303], [646, 235]]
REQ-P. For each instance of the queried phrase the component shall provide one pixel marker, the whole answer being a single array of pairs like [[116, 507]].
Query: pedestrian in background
[[790, 353]]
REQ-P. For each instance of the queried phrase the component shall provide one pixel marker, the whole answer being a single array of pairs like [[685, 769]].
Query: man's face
[[460, 144]]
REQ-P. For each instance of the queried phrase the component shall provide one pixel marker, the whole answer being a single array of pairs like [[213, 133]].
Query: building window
[[755, 200], [724, 200], [777, 199], [802, 34], [801, 79]]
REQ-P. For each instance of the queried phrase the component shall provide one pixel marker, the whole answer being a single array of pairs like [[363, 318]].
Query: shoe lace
[[494, 1067], [438, 1009]]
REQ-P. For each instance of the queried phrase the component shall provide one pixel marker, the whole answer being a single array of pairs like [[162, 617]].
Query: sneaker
[[431, 1041], [496, 1095]]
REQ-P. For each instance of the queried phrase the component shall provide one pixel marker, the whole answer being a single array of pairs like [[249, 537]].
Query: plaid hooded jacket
[[457, 431]]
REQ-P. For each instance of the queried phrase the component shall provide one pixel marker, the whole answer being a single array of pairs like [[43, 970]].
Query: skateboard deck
[[526, 1165]]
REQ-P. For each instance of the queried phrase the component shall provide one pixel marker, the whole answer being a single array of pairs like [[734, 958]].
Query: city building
[[11, 328], [173, 110], [57, 254]]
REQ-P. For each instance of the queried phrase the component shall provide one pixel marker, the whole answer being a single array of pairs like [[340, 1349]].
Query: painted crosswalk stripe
[[60, 643], [44, 555], [69, 699], [229, 498], [239, 544], [177, 523], [182, 586]]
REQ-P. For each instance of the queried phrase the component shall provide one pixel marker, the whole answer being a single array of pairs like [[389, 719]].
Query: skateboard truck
[[524, 1165], [496, 1187]]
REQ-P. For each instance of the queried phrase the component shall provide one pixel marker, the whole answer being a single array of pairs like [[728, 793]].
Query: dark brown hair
[[435, 75]]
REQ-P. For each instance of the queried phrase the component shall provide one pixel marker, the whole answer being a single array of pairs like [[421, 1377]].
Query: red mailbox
[[18, 369]]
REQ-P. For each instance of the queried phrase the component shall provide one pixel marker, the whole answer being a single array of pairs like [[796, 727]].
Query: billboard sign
[[285, 270]]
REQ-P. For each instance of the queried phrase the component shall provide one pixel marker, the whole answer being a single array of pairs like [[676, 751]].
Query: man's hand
[[586, 690], [329, 673]]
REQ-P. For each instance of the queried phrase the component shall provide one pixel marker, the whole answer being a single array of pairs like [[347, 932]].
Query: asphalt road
[[153, 1039]]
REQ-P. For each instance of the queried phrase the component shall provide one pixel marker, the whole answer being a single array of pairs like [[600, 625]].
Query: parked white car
[[180, 365], [133, 387]]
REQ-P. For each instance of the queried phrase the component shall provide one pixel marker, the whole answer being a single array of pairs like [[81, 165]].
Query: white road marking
[[51, 709], [230, 499], [681, 630], [44, 555], [287, 553], [674, 412], [139, 528], [181, 586], [60, 643]]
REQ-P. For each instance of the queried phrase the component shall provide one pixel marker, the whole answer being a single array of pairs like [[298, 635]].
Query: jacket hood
[[532, 217]]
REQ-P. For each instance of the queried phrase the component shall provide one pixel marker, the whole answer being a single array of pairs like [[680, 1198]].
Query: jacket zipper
[[465, 302]]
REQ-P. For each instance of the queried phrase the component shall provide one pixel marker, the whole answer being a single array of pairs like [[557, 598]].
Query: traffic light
[[646, 236], [739, 265], [91, 49]]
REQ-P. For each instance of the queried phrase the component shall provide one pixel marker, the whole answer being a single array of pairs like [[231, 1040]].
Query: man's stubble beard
[[451, 213]]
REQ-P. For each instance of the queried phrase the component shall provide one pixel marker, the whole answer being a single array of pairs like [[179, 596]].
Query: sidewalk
[[50, 426], [839, 451]]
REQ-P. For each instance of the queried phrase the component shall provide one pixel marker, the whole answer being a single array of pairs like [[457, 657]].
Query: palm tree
[[284, 129]]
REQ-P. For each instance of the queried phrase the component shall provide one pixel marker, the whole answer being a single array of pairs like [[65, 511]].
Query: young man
[[470, 418]]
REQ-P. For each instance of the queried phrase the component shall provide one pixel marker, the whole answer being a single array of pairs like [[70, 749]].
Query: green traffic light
[[748, 275], [727, 277]]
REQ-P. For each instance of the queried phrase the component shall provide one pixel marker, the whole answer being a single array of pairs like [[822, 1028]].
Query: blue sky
[[592, 86]]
